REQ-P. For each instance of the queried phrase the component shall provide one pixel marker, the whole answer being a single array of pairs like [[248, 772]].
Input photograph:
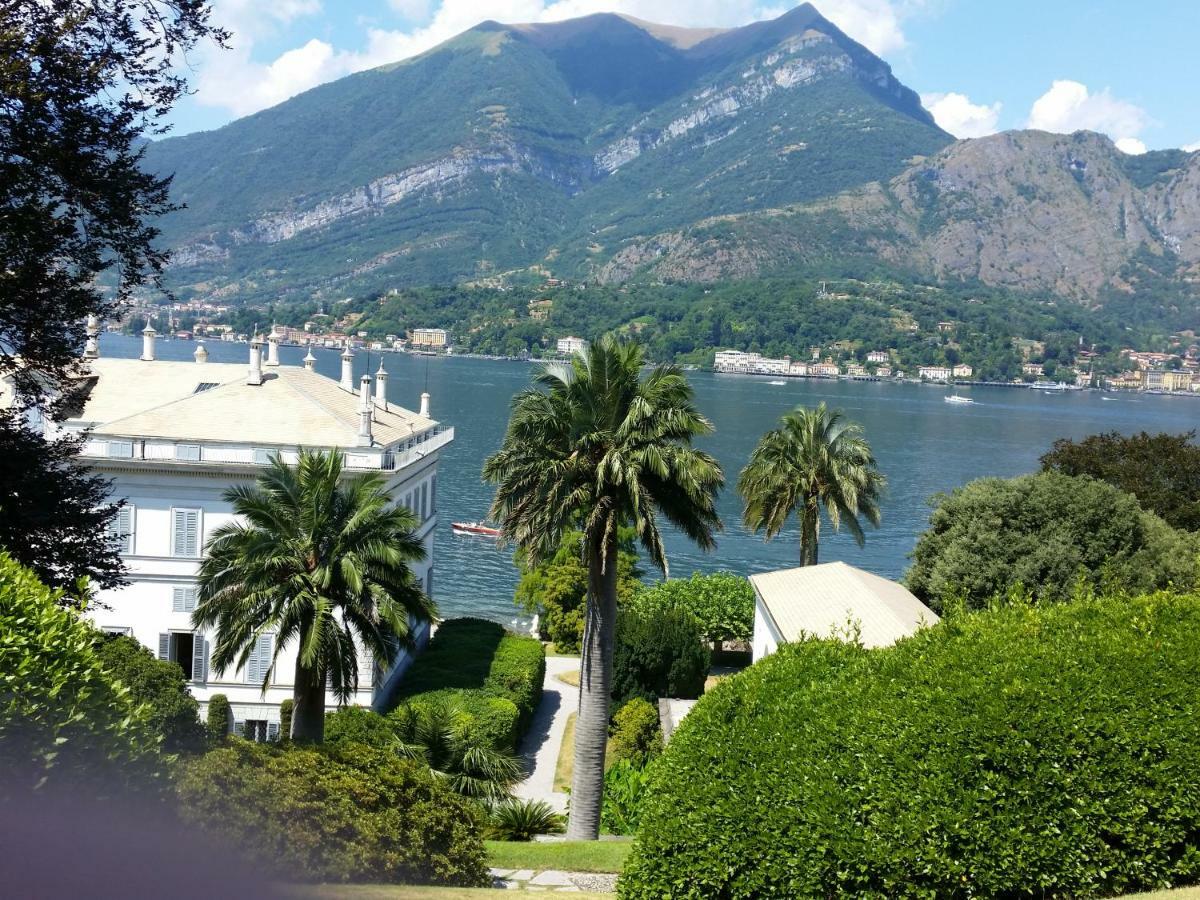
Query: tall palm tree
[[814, 461], [320, 560], [593, 446]]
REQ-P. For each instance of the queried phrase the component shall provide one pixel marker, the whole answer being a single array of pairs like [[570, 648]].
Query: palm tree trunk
[[808, 535], [595, 690], [308, 706]]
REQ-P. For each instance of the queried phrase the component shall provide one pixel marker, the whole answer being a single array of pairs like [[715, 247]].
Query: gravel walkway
[[539, 749]]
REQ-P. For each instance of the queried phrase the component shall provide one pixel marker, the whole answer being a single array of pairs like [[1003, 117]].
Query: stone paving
[[539, 749], [553, 881]]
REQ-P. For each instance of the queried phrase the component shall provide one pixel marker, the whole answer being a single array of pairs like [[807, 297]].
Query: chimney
[[347, 369], [201, 355], [256, 375], [365, 414], [425, 404], [381, 378], [91, 350], [309, 360], [148, 334], [273, 348]]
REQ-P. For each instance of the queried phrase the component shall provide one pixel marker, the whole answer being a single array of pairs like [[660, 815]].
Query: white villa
[[832, 600], [173, 436], [569, 346]]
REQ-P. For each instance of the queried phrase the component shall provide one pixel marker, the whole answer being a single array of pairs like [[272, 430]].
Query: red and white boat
[[476, 528]]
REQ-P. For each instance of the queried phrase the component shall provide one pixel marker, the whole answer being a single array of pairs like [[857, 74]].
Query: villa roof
[[293, 407], [827, 599]]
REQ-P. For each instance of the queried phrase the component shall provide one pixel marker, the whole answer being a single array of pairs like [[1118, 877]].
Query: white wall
[[766, 638], [145, 605]]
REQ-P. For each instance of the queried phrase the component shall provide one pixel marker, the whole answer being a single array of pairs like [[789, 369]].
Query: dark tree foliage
[[53, 511], [1161, 470], [81, 82]]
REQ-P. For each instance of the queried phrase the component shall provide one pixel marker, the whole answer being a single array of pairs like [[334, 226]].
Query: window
[[205, 386], [424, 501], [259, 730], [122, 630], [187, 452], [120, 529], [433, 494], [183, 598], [185, 532], [120, 449], [189, 650], [258, 666], [262, 457]]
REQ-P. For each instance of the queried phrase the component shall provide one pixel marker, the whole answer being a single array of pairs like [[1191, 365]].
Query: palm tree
[[319, 560], [594, 446], [814, 460]]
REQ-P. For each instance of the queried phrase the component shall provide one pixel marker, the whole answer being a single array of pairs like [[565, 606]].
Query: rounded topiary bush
[[346, 812], [635, 733], [219, 720], [659, 652], [1049, 751]]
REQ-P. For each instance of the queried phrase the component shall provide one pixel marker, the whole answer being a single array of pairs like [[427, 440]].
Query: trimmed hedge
[[340, 813], [1026, 751], [495, 675], [635, 734], [220, 718], [659, 652]]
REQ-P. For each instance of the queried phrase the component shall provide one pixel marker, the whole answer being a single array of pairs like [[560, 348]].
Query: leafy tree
[[556, 589], [813, 462], [319, 559], [53, 512], [1161, 470], [173, 711], [595, 446], [660, 653], [1048, 535], [722, 602], [65, 725]]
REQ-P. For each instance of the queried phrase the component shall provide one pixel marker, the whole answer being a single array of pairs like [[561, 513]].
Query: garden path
[[539, 749]]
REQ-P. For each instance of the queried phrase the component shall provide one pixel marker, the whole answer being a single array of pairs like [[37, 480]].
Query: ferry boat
[[474, 528], [957, 398]]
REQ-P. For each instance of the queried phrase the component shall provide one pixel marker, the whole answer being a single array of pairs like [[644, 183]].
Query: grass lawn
[[416, 892], [570, 856], [1187, 893], [565, 767], [571, 678]]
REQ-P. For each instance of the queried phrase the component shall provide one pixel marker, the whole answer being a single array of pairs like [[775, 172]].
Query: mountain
[[1068, 215], [516, 145]]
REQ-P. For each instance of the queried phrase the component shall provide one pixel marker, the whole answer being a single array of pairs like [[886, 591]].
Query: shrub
[[496, 676], [521, 820], [220, 717], [1050, 750], [625, 793], [174, 712], [1047, 532], [635, 732], [345, 812], [64, 724], [722, 602], [285, 719], [658, 654], [359, 725]]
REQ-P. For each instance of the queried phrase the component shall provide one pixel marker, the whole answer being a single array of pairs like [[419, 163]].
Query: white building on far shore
[[571, 345], [741, 363], [174, 436]]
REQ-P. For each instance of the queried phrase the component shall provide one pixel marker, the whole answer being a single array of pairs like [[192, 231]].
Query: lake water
[[923, 446]]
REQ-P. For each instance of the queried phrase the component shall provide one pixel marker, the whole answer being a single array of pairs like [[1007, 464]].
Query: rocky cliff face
[[1027, 210]]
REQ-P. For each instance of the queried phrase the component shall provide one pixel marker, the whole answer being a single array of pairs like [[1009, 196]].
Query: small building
[[934, 373], [572, 345], [832, 600], [962, 370], [1030, 368], [826, 369], [429, 338], [879, 356]]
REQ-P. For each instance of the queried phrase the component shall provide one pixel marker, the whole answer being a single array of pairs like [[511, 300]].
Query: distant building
[[429, 338], [962, 370], [854, 370], [740, 363], [826, 369], [879, 356], [934, 373], [945, 327], [539, 310], [572, 345], [798, 370], [884, 371], [1032, 368]]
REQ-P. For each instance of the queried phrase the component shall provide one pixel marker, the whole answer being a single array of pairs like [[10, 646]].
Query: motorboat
[[957, 398], [474, 528]]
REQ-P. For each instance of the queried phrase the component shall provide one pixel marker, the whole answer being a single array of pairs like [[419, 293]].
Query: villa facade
[[173, 437]]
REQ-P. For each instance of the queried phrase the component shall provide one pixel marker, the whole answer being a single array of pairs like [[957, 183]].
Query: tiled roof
[[825, 600]]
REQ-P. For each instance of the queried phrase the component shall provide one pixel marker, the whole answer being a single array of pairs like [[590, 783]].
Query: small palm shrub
[[625, 793], [1048, 749], [219, 717], [521, 820], [659, 653], [635, 733], [342, 812]]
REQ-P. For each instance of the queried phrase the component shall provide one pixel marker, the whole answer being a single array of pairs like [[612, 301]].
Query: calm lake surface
[[923, 445]]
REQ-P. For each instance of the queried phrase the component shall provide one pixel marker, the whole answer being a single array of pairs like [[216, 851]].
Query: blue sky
[[1129, 70]]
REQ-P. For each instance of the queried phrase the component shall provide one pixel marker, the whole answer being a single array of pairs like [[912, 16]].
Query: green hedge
[[341, 813], [722, 602], [494, 674], [660, 652], [220, 718], [65, 723], [1027, 751]]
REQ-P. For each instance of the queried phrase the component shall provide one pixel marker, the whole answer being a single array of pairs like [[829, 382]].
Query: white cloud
[[235, 80], [1131, 145], [1191, 148], [1069, 106], [959, 116]]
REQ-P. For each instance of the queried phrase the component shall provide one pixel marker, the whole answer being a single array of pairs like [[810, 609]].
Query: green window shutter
[[164, 646], [186, 532], [199, 658], [259, 663]]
